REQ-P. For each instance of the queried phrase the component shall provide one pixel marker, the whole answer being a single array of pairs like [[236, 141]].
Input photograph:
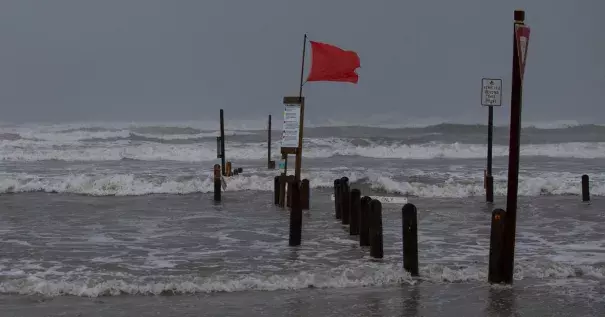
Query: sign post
[[520, 44], [491, 96], [291, 134]]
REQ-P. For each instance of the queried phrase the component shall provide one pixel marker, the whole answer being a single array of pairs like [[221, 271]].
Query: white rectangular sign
[[491, 92], [291, 129]]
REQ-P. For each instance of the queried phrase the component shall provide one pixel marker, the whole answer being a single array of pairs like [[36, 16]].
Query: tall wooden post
[[510, 219], [270, 163]]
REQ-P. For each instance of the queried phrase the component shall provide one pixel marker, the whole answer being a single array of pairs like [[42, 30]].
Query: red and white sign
[[522, 36]]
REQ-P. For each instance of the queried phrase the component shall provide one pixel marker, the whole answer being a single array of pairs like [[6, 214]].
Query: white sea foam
[[451, 184], [26, 150], [362, 274]]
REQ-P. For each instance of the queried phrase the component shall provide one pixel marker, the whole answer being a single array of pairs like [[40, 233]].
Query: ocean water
[[117, 219]]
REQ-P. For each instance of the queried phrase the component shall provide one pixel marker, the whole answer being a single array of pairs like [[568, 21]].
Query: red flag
[[331, 63]]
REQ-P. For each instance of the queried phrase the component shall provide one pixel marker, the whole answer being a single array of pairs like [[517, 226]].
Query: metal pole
[[298, 165], [222, 122]]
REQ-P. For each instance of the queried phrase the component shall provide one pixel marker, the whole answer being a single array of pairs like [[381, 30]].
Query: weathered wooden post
[[290, 181], [217, 182], [409, 230], [376, 250], [228, 171], [283, 181], [364, 222], [337, 212], [494, 274], [345, 200], [520, 43], [305, 192], [270, 163], [276, 190], [355, 211], [295, 215], [585, 188]]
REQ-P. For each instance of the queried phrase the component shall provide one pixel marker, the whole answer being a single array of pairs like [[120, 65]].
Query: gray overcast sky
[[183, 59]]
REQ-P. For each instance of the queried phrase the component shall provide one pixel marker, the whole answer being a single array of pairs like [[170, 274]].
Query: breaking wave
[[366, 274], [444, 185], [26, 150]]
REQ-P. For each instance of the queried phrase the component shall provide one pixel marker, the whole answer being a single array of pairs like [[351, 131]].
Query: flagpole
[[302, 66], [298, 165]]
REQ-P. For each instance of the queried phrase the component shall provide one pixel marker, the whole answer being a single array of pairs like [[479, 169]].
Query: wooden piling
[[364, 222], [409, 230], [355, 204], [289, 183], [337, 211], [283, 181], [489, 188], [585, 188], [345, 200], [305, 193], [217, 182], [376, 249], [295, 215], [276, 190], [270, 163], [496, 244], [228, 171]]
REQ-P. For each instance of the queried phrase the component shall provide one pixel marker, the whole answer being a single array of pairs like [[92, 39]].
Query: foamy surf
[[344, 276], [67, 150], [444, 184]]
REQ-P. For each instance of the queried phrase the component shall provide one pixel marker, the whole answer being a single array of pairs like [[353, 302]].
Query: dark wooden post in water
[[355, 208], [345, 200], [585, 188], [409, 223], [295, 215], [222, 123], [276, 190], [283, 180], [270, 163], [494, 274], [337, 207], [376, 249], [290, 182], [217, 182], [364, 222], [510, 221], [305, 193]]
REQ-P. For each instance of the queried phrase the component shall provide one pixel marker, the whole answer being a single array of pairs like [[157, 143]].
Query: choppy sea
[[117, 219]]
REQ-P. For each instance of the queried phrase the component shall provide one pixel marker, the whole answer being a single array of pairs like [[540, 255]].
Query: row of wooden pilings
[[283, 189], [363, 215]]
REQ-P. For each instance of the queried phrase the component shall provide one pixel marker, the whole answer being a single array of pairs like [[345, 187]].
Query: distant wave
[[196, 127]]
